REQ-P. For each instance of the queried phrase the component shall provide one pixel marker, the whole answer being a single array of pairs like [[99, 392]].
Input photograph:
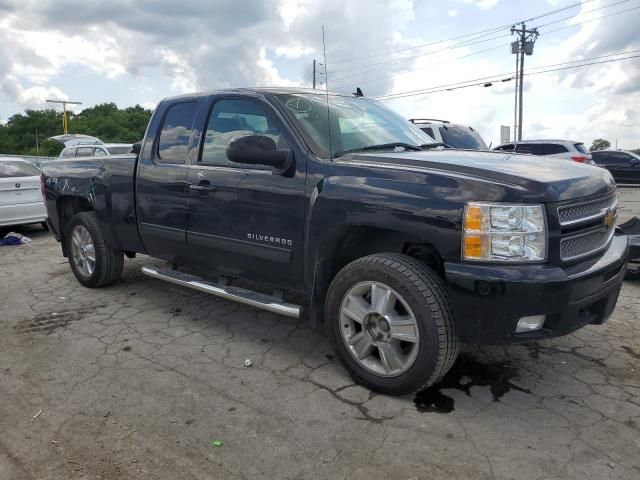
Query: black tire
[[425, 294], [108, 262], [45, 226]]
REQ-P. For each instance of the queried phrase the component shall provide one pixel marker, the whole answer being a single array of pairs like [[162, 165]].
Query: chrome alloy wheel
[[379, 329], [83, 251]]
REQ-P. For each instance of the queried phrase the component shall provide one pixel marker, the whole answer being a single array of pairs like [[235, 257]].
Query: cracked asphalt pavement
[[137, 381]]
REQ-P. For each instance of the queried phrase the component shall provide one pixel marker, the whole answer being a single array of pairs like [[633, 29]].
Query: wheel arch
[[66, 207], [350, 242]]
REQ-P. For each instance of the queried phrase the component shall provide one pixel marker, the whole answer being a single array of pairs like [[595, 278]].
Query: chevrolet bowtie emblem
[[609, 218]]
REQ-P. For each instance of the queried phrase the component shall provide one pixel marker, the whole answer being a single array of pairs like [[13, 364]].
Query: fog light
[[530, 324]]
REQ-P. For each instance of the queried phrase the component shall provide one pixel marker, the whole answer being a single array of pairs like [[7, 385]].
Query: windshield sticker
[[298, 105]]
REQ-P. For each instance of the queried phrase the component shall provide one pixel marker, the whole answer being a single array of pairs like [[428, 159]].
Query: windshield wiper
[[382, 146], [427, 146]]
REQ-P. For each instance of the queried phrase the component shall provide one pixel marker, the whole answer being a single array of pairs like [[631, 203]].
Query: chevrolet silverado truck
[[401, 248]]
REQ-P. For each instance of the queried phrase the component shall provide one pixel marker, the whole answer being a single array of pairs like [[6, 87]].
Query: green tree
[[600, 144], [105, 121]]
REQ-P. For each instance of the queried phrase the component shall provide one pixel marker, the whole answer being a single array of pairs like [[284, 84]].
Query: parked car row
[[624, 166]]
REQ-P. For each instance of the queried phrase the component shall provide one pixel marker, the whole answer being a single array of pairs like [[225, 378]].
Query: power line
[[487, 31], [406, 59], [371, 80], [487, 81], [583, 13]]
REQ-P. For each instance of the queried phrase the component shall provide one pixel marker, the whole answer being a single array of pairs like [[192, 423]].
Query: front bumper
[[488, 300]]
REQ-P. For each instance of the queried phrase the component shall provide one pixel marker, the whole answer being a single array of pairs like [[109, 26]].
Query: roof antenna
[[358, 92], [326, 89]]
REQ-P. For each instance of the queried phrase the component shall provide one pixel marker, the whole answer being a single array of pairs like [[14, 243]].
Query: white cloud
[[453, 13], [482, 4]]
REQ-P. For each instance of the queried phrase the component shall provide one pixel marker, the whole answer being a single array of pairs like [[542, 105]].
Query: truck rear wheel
[[391, 324], [92, 261]]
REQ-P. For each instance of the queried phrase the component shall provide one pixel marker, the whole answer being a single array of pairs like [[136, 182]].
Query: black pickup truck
[[402, 249]]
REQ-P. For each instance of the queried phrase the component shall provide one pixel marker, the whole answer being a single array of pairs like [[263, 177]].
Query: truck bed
[[107, 183]]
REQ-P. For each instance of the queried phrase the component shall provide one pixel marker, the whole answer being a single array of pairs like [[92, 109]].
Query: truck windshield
[[356, 123]]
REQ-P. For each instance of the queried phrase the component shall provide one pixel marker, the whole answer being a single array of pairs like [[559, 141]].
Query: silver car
[[567, 149], [20, 197]]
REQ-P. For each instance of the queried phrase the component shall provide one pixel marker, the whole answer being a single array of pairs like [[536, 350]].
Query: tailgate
[[19, 190]]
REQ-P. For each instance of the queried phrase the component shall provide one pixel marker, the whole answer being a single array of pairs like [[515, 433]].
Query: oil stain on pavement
[[466, 373]]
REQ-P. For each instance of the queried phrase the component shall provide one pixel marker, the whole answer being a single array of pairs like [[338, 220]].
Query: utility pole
[[314, 73], [64, 108], [523, 46]]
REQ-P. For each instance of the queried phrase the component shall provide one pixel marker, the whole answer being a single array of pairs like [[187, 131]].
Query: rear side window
[[17, 169], [428, 131], [548, 149], [99, 152], [68, 152], [460, 137], [173, 144], [601, 158], [540, 148], [580, 147]]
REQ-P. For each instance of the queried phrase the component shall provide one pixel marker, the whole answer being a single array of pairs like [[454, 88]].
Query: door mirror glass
[[259, 150]]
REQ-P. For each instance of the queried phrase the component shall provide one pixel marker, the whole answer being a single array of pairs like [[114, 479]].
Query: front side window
[[621, 158], [173, 144], [231, 118], [348, 123]]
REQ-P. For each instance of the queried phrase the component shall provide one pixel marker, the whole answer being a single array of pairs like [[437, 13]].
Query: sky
[[140, 51]]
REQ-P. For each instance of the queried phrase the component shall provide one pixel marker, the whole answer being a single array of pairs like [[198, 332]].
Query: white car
[[20, 197], [453, 135], [567, 149]]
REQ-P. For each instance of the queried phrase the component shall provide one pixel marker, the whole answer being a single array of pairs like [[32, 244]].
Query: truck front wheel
[[92, 261], [391, 324]]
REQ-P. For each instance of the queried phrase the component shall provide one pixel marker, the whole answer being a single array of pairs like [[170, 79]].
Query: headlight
[[504, 233]]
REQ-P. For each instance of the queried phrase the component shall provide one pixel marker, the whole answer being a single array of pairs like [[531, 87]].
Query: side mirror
[[259, 150], [136, 147], [634, 161]]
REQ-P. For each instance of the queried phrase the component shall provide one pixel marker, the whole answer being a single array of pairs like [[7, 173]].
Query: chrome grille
[[586, 211], [580, 245]]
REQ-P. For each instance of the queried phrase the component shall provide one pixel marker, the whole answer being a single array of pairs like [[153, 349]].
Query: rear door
[[246, 221], [162, 201]]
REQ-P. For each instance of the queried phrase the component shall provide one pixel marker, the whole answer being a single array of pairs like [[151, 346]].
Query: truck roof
[[259, 91]]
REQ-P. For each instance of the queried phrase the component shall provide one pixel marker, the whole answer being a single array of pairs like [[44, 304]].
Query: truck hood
[[537, 178]]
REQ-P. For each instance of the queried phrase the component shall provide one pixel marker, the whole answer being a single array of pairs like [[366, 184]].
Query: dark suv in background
[[566, 149], [624, 166]]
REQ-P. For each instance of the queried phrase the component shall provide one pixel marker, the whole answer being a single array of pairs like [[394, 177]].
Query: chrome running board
[[240, 295]]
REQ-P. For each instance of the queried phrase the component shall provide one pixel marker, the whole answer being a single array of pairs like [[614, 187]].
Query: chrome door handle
[[202, 188]]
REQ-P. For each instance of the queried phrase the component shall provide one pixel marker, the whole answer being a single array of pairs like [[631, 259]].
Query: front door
[[245, 221]]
